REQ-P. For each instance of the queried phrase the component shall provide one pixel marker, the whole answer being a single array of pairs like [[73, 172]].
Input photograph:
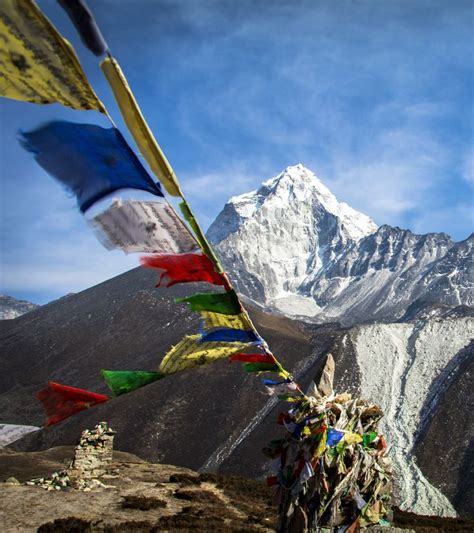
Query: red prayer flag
[[252, 358], [272, 481], [61, 401], [182, 268]]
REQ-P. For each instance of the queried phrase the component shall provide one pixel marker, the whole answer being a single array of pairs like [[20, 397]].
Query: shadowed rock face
[[215, 417], [445, 449]]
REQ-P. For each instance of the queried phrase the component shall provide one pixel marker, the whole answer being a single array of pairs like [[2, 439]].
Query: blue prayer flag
[[90, 160], [334, 436], [231, 335]]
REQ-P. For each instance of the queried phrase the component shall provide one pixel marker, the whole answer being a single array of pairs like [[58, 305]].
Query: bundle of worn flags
[[330, 469], [93, 162]]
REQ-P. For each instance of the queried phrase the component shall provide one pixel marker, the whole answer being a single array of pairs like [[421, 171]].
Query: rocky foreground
[[141, 496]]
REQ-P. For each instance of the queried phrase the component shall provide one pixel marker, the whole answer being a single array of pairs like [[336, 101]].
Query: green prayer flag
[[368, 438], [225, 303], [261, 367], [123, 381]]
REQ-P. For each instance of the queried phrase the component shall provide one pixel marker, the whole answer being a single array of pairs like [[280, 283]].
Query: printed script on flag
[[190, 352], [149, 227], [36, 64]]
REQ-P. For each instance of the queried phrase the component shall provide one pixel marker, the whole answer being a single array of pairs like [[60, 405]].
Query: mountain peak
[[297, 185]]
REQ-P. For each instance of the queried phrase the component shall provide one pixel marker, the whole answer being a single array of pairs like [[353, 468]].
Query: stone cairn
[[92, 456]]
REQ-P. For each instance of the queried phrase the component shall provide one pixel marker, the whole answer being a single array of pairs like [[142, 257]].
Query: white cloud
[[468, 167]]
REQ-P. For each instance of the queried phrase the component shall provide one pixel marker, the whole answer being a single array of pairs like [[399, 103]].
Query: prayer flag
[[368, 438], [149, 227], [352, 438], [182, 268], [256, 358], [231, 335], [36, 64], [283, 389], [138, 127], [90, 160], [121, 382], [272, 382], [82, 18], [334, 436], [225, 303], [191, 352], [261, 367], [61, 401], [217, 320]]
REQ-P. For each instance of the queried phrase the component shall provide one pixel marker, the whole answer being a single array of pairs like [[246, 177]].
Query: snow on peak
[[299, 184]]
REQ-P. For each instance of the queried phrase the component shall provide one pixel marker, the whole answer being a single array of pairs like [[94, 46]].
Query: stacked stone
[[92, 456]]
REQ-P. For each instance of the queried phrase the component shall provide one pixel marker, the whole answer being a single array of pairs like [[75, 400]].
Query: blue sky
[[376, 97]]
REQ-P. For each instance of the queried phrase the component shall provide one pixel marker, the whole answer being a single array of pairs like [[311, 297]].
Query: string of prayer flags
[[206, 247], [231, 335], [149, 227], [212, 320], [37, 64], [182, 268], [124, 381], [138, 127], [90, 160], [85, 24], [62, 401], [191, 352], [225, 303]]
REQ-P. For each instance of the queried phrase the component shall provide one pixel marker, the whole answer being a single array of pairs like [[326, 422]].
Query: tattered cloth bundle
[[330, 469]]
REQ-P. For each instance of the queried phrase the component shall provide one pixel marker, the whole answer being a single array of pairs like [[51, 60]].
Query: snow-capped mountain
[[11, 307], [292, 247]]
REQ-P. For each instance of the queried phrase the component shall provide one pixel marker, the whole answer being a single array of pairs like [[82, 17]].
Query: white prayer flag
[[149, 227]]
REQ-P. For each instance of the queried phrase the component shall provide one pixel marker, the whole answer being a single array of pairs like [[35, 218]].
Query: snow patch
[[10, 433], [296, 305]]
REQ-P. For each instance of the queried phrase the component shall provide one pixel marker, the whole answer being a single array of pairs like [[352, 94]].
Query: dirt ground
[[149, 497]]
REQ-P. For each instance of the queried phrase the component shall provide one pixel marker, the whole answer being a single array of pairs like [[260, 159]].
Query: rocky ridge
[[11, 307]]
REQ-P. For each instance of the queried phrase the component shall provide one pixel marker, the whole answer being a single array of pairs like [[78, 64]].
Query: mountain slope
[[292, 247], [217, 417]]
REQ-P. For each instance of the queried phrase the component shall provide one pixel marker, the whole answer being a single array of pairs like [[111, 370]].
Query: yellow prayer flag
[[189, 352], [351, 438], [321, 447], [138, 127], [36, 63], [218, 320]]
